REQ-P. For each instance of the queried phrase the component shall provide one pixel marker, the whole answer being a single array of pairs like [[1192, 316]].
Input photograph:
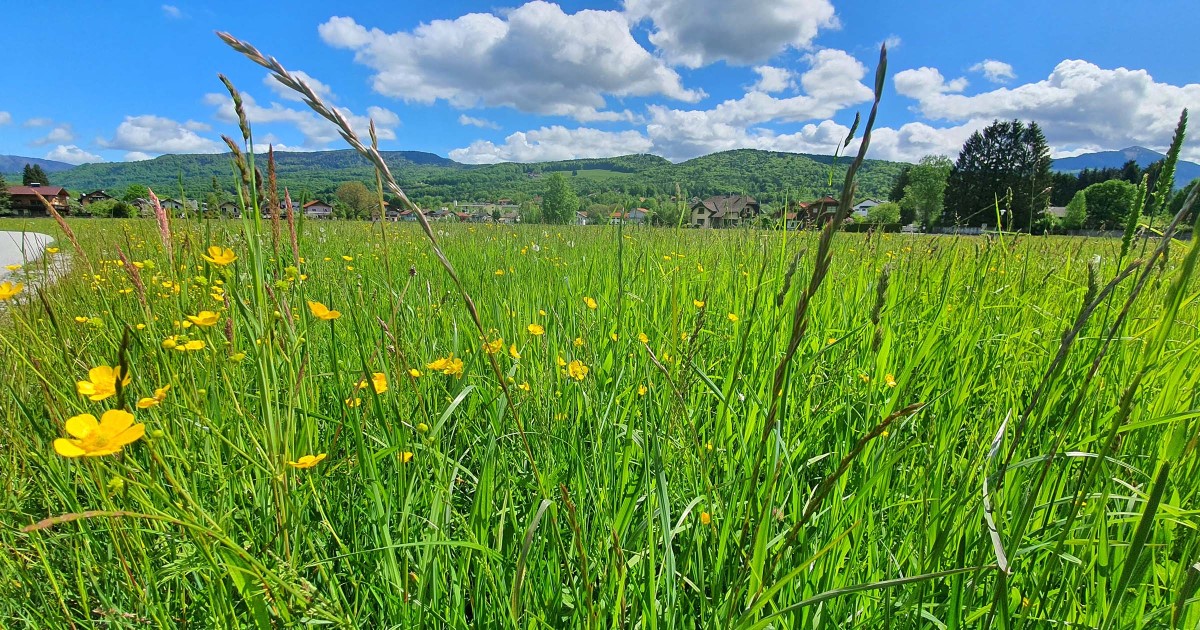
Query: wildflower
[[535, 329], [524, 386], [101, 383], [160, 395], [414, 372], [698, 303], [320, 311], [405, 456], [170, 342], [499, 272], [513, 352], [578, 342], [79, 319], [237, 357], [732, 317], [641, 390], [864, 378], [353, 402], [9, 290], [116, 485], [590, 303], [577, 370], [494, 346], [348, 258], [560, 362], [195, 344], [378, 380], [307, 461], [889, 380], [613, 336], [93, 438], [831, 340], [705, 518], [448, 365], [12, 267], [643, 338], [204, 318], [219, 256], [51, 250]]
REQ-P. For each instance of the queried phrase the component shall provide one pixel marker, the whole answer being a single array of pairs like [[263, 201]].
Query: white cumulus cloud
[[58, 135], [1078, 105], [553, 143], [995, 71], [772, 79], [318, 133], [136, 156], [72, 154], [534, 58], [471, 121], [695, 33], [155, 134]]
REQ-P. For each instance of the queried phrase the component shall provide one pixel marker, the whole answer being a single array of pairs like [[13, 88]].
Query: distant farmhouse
[[25, 200], [724, 211], [862, 208], [636, 216], [93, 197], [317, 209]]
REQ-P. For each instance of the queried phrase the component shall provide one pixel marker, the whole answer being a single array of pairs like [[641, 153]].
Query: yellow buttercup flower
[[353, 402], [494, 346], [535, 329], [219, 256], [414, 372], [698, 303], [889, 380], [204, 318], [320, 311], [405, 456], [732, 317], [448, 365], [101, 383], [524, 386], [577, 370], [513, 352], [8, 290], [160, 395], [194, 344], [590, 303], [643, 338], [51, 250], [378, 380], [115, 430], [307, 461], [705, 518]]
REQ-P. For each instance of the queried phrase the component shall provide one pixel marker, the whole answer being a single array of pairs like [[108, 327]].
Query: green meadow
[[650, 428]]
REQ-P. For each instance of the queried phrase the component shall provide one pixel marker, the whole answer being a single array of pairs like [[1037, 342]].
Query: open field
[[636, 466]]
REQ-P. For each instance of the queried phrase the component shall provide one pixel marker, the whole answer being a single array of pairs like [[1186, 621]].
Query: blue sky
[[485, 82]]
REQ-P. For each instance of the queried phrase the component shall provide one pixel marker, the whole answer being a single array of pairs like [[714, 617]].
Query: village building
[[25, 200], [317, 209], [724, 211], [636, 216], [93, 197], [862, 208]]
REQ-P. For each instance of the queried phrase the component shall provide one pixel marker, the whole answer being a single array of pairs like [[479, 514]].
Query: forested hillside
[[433, 179]]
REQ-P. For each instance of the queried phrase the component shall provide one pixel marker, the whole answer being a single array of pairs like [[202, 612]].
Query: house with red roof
[[25, 200]]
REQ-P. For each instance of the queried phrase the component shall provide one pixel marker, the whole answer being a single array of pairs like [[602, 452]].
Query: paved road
[[17, 248]]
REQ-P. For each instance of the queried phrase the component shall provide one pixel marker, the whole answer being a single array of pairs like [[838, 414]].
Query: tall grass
[[773, 430]]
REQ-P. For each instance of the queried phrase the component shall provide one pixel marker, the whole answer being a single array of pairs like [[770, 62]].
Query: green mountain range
[[429, 178]]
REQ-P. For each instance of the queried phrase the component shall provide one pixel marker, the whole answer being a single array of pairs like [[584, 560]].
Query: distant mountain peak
[[16, 163], [1184, 171]]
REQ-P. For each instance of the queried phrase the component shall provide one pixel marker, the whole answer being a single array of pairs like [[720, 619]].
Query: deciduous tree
[[1109, 204], [559, 203], [1076, 212], [924, 196]]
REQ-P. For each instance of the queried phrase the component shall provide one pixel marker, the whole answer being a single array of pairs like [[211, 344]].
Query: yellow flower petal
[[80, 426]]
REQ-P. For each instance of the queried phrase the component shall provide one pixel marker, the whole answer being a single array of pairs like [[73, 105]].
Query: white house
[[861, 209], [317, 209]]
